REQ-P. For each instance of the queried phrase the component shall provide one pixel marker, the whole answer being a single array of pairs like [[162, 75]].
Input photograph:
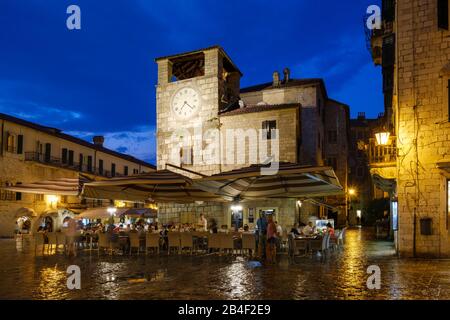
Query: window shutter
[[443, 14], [64, 156], [20, 144]]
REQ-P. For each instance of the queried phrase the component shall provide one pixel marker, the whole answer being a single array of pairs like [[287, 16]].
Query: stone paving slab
[[340, 275]]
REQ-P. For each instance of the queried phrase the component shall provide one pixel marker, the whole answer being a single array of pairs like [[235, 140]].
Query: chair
[[61, 240], [334, 240], [104, 243], [341, 239], [249, 243], [39, 240], [320, 245], [134, 242], [52, 241], [186, 241], [152, 241], [214, 241], [226, 242], [174, 241]]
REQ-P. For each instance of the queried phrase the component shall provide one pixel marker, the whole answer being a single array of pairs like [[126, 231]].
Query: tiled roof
[[260, 108], [58, 133], [290, 83]]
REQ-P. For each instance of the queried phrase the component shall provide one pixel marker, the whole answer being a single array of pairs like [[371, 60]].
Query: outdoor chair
[[334, 240], [39, 240], [214, 241], [320, 245], [186, 241], [61, 241], [52, 241], [249, 243], [152, 241], [104, 243], [174, 241], [226, 242], [134, 242], [341, 238]]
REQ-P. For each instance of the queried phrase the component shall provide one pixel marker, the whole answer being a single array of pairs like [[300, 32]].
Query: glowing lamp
[[382, 138], [352, 192], [112, 210], [236, 208]]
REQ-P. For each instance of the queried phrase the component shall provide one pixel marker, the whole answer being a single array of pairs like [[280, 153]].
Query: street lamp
[[112, 211], [383, 138], [351, 192]]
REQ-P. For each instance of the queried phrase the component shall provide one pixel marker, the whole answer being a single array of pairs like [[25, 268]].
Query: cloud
[[36, 112], [139, 142]]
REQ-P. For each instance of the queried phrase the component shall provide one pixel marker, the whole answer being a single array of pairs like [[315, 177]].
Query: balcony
[[57, 162], [383, 156]]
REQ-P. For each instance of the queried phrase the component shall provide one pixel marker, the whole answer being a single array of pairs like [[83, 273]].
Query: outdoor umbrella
[[159, 186], [61, 186], [100, 213], [140, 213], [290, 181]]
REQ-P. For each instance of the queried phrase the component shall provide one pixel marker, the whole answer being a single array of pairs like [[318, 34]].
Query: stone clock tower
[[193, 88]]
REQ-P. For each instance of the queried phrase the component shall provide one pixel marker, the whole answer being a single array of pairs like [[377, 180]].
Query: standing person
[[213, 225], [203, 223], [279, 235], [70, 236], [261, 225], [271, 240]]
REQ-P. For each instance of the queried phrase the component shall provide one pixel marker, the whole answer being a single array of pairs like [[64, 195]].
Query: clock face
[[185, 102]]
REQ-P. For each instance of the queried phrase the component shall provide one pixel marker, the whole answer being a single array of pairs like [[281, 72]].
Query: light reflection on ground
[[339, 275]]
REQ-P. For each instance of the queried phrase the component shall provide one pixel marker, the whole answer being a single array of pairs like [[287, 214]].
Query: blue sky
[[101, 79]]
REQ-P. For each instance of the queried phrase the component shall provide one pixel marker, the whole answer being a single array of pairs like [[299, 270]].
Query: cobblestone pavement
[[341, 275]]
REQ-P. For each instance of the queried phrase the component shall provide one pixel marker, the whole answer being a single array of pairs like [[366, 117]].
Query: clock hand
[[188, 105]]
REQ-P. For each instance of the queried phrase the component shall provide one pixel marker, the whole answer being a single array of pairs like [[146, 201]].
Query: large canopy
[[100, 213], [159, 186], [62, 186], [290, 181]]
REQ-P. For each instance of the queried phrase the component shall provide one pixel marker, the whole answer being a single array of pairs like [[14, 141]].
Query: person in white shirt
[[308, 230], [279, 229], [203, 223]]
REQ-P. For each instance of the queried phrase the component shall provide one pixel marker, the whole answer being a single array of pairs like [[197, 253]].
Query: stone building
[[413, 48], [199, 95], [31, 152], [362, 136]]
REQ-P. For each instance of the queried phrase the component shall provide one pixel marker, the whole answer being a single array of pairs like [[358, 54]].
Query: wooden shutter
[[19, 144]]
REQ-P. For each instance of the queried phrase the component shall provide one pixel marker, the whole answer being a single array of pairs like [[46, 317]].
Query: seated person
[[294, 230], [308, 230], [330, 230]]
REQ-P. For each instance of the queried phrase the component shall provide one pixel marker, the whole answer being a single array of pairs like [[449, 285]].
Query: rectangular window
[[113, 170], [70, 157], [80, 162], [100, 167], [38, 197], [125, 170], [89, 163], [64, 156], [267, 127], [442, 14], [332, 162], [448, 98], [48, 152], [18, 196], [448, 201], [20, 144], [332, 136], [11, 147]]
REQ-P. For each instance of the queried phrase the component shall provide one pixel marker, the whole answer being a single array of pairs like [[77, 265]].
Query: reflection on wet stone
[[339, 275]]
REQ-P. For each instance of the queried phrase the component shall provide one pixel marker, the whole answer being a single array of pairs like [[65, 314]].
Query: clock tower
[[193, 89]]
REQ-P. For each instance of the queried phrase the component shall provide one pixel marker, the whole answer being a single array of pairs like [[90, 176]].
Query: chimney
[[287, 75], [276, 79], [361, 115], [98, 140]]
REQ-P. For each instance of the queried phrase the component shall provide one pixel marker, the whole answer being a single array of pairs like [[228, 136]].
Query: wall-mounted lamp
[[112, 211], [236, 207], [52, 200], [382, 138]]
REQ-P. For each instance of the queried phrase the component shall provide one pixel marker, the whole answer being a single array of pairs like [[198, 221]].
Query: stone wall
[[423, 128]]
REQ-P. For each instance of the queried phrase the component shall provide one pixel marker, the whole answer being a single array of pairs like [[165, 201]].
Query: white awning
[[289, 181], [62, 187]]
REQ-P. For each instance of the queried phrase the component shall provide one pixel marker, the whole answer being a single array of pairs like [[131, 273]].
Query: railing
[[54, 161], [382, 154]]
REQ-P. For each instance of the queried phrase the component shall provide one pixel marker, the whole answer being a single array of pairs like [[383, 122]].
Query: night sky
[[101, 79]]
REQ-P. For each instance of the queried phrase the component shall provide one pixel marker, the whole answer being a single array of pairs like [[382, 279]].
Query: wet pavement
[[340, 275]]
